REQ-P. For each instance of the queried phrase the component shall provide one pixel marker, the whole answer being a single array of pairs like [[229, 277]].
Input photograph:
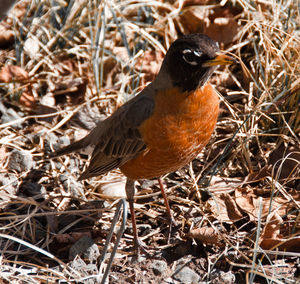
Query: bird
[[162, 128]]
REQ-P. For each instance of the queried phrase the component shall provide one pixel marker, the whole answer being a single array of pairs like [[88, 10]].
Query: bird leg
[[130, 197], [171, 219]]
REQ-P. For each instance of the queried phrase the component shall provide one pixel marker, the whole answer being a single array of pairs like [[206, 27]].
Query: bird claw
[[172, 223], [140, 249]]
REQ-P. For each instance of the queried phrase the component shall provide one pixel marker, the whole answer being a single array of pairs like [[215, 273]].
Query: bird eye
[[191, 56]]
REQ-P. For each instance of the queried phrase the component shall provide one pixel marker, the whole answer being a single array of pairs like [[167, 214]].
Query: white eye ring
[[186, 51], [189, 62], [197, 53]]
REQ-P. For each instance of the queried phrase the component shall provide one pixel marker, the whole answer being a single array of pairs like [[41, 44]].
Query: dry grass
[[78, 64]]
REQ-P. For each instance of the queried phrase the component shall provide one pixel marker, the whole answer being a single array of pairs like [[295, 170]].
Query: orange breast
[[180, 126]]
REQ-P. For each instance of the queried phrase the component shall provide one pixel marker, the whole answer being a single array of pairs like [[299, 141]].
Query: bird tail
[[80, 144]]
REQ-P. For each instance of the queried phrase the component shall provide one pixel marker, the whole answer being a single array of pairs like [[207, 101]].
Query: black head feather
[[186, 58]]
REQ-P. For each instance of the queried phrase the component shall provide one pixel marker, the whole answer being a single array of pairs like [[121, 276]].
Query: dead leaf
[[72, 237], [286, 164], [27, 99], [194, 19], [187, 3], [260, 175], [224, 208], [6, 36], [223, 30], [114, 188], [224, 184], [71, 91], [11, 73], [206, 235], [291, 245], [247, 200], [272, 227], [233, 212], [272, 239], [219, 24], [150, 64]]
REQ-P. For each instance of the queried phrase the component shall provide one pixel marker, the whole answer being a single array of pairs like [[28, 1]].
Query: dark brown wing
[[118, 139]]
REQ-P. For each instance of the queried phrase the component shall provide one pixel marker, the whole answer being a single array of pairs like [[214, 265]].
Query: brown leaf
[[194, 19], [187, 3], [272, 227], [260, 175], [272, 239], [223, 30], [291, 245], [10, 72], [150, 64], [27, 99], [72, 237], [220, 24], [71, 91], [247, 200], [232, 210], [206, 235], [286, 164], [6, 36], [224, 208]]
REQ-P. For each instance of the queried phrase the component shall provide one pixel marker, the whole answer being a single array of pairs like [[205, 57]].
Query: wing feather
[[119, 139]]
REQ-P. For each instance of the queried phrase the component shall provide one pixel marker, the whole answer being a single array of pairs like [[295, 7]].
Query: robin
[[165, 126]]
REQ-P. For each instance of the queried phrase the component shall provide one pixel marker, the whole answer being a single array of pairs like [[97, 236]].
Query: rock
[[20, 161], [8, 115], [85, 246], [9, 182], [219, 276], [31, 189], [85, 270], [87, 117], [159, 267], [186, 275], [92, 253], [73, 186], [55, 142]]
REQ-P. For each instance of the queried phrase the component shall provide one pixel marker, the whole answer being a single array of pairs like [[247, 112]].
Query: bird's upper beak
[[220, 59]]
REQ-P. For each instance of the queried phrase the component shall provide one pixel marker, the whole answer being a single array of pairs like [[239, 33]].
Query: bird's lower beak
[[220, 59]]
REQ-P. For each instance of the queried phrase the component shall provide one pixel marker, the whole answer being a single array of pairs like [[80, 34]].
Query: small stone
[[85, 269], [92, 253], [81, 247], [186, 275], [87, 117], [147, 183], [219, 276], [20, 161], [28, 188], [9, 182], [8, 115], [159, 267], [55, 142], [228, 277], [73, 186]]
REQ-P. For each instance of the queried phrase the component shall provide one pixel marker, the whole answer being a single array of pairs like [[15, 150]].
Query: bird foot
[[140, 249], [172, 223]]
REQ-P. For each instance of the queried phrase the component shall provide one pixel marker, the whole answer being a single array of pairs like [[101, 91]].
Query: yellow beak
[[220, 59]]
